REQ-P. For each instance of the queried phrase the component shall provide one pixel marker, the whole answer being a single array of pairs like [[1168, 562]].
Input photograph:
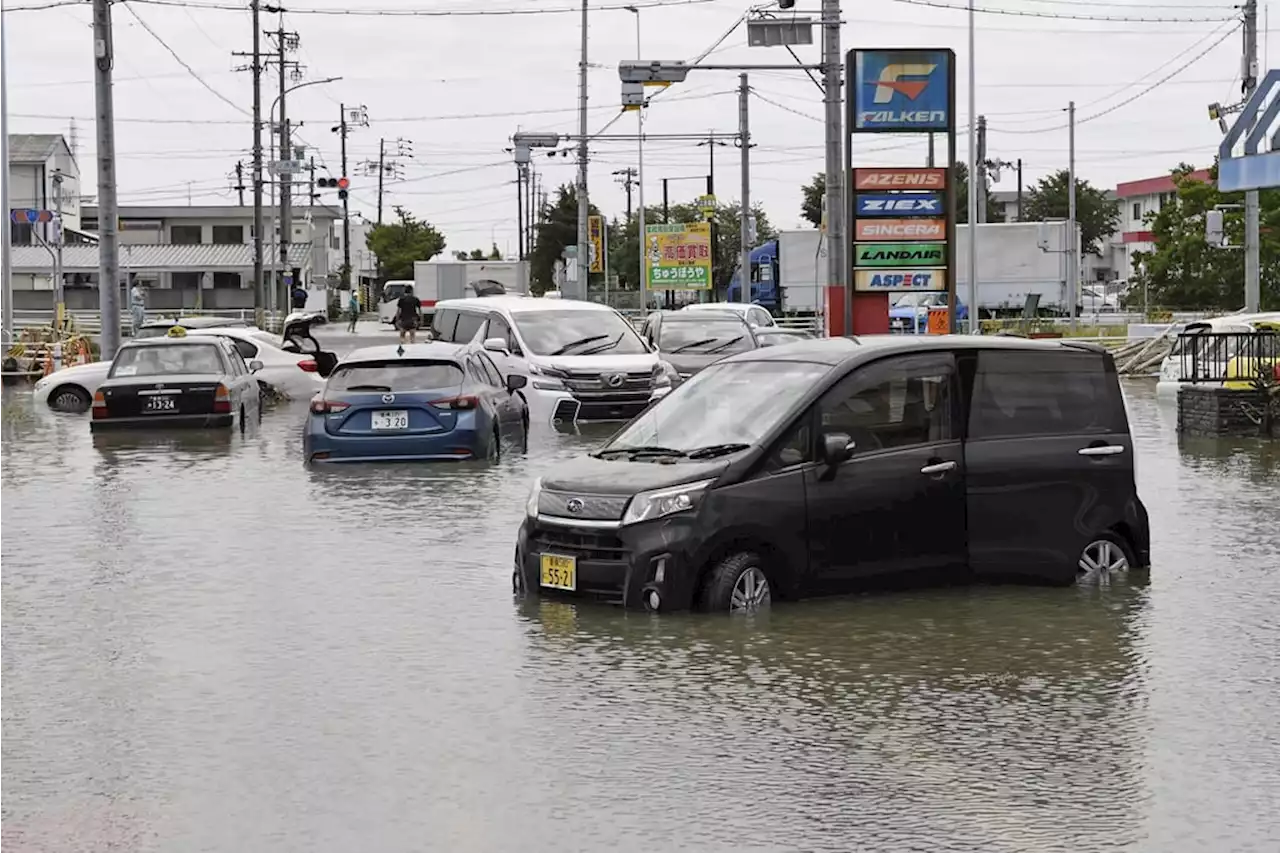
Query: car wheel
[[737, 584], [494, 452], [1106, 556], [243, 423], [524, 432], [69, 398]]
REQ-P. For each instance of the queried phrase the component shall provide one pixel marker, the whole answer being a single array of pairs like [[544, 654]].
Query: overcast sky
[[458, 86]]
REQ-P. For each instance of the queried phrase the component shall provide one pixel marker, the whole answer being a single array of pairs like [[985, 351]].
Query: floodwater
[[208, 647]]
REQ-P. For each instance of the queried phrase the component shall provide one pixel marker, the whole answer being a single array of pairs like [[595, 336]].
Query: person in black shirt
[[408, 313]]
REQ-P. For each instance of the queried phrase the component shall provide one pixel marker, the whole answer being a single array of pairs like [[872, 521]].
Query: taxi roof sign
[[176, 332]]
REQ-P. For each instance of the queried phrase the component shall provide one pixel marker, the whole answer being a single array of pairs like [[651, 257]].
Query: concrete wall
[[1221, 412]]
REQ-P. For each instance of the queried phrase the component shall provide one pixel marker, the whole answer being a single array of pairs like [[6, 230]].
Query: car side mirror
[[496, 345], [515, 382], [837, 447], [255, 366]]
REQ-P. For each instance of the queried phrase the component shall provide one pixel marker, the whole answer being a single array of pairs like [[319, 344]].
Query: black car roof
[[837, 351]]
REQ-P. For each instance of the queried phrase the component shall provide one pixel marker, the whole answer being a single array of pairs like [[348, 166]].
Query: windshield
[[578, 333], [398, 375], [391, 291], [725, 404], [918, 300], [712, 337], [166, 360]]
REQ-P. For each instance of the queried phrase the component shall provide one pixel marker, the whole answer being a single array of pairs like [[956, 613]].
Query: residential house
[[1137, 200]]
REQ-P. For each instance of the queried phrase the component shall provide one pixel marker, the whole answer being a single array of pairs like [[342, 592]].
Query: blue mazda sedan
[[420, 402]]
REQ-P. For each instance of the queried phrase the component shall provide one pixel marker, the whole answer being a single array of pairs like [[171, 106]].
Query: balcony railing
[[1227, 356]]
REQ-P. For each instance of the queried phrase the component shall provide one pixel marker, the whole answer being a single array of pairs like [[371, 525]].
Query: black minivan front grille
[[602, 546]]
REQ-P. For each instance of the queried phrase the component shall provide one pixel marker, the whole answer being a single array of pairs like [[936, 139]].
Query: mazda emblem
[[574, 505], [388, 398], [615, 380]]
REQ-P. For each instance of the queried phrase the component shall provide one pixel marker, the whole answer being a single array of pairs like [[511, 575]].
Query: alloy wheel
[[750, 592], [1101, 559]]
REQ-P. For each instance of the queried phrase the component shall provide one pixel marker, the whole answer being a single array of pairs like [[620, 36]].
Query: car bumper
[[458, 445], [619, 565], [559, 408], [163, 422]]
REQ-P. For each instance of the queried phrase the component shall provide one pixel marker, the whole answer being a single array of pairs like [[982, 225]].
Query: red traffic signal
[[343, 183]]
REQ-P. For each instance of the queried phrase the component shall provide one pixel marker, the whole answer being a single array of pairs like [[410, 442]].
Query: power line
[[1128, 19], [385, 13]]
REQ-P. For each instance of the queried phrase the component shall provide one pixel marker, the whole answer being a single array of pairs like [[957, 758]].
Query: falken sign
[[900, 254], [902, 90], [899, 204]]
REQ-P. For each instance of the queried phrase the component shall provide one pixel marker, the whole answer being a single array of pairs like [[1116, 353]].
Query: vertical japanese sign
[[595, 235], [678, 257]]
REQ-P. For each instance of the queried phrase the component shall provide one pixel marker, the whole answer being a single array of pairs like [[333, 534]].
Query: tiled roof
[[168, 258], [32, 147]]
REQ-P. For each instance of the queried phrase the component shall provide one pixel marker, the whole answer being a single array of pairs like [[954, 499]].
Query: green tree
[[559, 228], [479, 255], [624, 250], [398, 244], [813, 192], [1183, 271], [1098, 215]]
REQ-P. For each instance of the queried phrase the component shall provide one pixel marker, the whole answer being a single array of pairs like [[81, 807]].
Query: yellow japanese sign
[[678, 256], [595, 236]]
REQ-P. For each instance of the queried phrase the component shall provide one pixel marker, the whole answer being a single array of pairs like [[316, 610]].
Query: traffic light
[[786, 4], [339, 184], [343, 183]]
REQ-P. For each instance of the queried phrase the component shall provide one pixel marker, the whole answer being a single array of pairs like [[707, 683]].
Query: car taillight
[[99, 405], [221, 400], [458, 403], [327, 407], [309, 365], [1275, 370]]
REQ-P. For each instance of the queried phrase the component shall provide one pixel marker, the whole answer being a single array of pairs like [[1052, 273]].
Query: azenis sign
[[871, 230], [899, 179]]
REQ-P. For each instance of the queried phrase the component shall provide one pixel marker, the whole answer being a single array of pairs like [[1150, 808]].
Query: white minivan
[[583, 361]]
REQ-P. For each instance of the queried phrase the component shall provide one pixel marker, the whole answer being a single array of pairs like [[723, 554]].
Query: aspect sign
[[898, 281]]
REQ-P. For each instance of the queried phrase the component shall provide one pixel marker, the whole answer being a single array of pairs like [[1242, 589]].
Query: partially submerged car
[[692, 340], [177, 381]]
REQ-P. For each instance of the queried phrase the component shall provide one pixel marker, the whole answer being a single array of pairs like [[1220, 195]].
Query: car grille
[[594, 546], [595, 387], [595, 507]]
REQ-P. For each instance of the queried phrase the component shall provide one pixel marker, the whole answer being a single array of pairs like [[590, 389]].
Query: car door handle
[[938, 468], [1101, 450]]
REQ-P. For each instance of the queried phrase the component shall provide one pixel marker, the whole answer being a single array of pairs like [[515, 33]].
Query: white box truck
[[434, 281], [1015, 260], [802, 271]]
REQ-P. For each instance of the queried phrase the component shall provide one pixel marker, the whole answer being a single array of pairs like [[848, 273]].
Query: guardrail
[[1228, 356]]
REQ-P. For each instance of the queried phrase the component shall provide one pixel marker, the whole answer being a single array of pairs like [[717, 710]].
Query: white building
[[1137, 199], [34, 161]]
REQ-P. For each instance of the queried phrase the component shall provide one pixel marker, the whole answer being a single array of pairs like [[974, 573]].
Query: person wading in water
[[408, 314]]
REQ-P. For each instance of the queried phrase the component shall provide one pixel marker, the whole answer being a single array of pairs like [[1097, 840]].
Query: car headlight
[[546, 378], [660, 503], [531, 506], [665, 375]]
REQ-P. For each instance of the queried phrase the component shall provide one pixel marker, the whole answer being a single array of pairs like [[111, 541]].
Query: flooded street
[[209, 647]]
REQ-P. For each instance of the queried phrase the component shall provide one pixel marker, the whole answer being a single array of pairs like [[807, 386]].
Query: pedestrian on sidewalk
[[353, 310], [137, 307], [408, 314], [299, 298]]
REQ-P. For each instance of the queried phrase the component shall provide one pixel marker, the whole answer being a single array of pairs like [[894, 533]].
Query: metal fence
[[1227, 356], [90, 322]]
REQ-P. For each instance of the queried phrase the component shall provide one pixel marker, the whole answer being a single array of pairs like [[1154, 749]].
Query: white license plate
[[159, 404], [391, 419]]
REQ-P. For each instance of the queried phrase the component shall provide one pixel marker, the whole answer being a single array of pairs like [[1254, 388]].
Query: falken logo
[[898, 80], [905, 204]]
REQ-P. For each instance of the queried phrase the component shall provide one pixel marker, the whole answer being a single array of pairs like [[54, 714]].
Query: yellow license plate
[[559, 572]]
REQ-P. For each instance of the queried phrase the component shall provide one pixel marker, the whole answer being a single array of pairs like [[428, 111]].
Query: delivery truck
[[434, 281]]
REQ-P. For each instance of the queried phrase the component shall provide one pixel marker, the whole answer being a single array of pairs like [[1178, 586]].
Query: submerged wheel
[[69, 398], [243, 425], [494, 452], [737, 584], [1107, 555]]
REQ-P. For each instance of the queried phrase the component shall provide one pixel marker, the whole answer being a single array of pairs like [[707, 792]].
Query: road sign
[[29, 216], [900, 254], [287, 167], [678, 256], [869, 230], [707, 205], [899, 179], [595, 235], [899, 281]]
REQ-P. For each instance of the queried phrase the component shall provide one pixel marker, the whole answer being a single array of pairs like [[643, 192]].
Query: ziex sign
[[899, 229], [899, 179], [895, 204], [900, 254], [902, 90], [897, 281]]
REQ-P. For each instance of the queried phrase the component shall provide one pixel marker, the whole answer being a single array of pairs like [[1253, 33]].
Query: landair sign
[[868, 230], [902, 90], [898, 281], [900, 254], [899, 204]]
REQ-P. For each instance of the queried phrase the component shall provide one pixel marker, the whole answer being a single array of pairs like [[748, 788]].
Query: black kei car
[[178, 381], [692, 340], [834, 464]]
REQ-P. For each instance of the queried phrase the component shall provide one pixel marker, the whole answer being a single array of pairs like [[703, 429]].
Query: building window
[[226, 281], [1137, 211], [228, 235], [20, 233], [186, 280], [184, 235]]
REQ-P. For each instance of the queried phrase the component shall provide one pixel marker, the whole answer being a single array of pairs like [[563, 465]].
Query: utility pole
[[744, 98], [382, 165], [833, 101], [1019, 189], [972, 218], [285, 68], [255, 66], [520, 230], [627, 177], [981, 182], [346, 210], [1072, 243], [529, 230], [311, 182], [59, 293], [240, 181], [584, 205], [386, 165], [6, 236], [108, 210], [1252, 241]]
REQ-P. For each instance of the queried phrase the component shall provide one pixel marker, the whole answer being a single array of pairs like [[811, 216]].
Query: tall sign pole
[[1252, 239], [108, 210], [744, 133], [837, 237], [584, 205], [6, 250], [974, 186]]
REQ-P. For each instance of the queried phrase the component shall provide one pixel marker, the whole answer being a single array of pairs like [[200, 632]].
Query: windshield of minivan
[[734, 403], [704, 336], [578, 333]]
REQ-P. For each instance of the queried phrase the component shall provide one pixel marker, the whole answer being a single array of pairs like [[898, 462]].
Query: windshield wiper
[[646, 450], [700, 343], [613, 343], [580, 342], [367, 388], [713, 450], [727, 343]]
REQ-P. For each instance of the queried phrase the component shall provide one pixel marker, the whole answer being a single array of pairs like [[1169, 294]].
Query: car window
[[578, 332], [761, 317], [442, 324], [397, 375], [238, 367], [490, 370], [477, 374], [896, 402], [708, 337], [795, 447], [1019, 394], [247, 349], [392, 292], [500, 328], [468, 327]]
